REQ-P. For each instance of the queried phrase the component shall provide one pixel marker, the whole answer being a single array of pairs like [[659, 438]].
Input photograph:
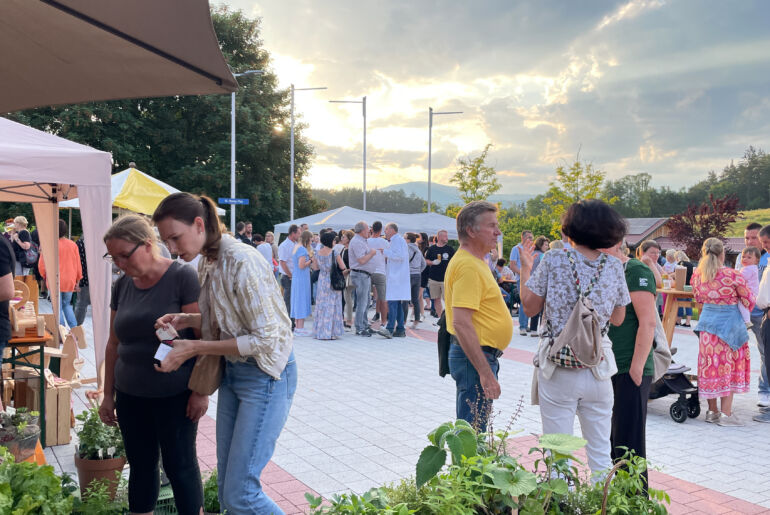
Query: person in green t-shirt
[[632, 345]]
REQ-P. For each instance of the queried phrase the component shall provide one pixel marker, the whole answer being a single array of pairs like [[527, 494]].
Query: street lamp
[[232, 145], [431, 113], [291, 195], [363, 104]]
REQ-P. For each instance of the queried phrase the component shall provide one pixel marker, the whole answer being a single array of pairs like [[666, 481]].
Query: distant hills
[[445, 195]]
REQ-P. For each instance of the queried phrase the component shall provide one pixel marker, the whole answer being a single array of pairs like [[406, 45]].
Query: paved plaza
[[364, 406]]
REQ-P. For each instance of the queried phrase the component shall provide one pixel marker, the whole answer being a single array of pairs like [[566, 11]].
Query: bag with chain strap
[[579, 345]]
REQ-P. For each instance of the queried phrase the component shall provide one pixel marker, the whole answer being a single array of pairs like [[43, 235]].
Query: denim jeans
[[81, 304], [414, 285], [756, 328], [395, 315], [523, 319], [363, 284], [471, 405], [65, 309], [251, 411]]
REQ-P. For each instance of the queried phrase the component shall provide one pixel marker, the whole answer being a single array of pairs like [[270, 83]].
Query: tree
[[578, 182], [185, 140], [634, 195], [393, 201], [697, 223], [474, 179]]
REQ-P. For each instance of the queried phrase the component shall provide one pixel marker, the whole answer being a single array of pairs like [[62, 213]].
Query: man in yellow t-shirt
[[476, 315]]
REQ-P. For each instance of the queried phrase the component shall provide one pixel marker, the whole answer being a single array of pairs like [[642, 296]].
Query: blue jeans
[[523, 319], [251, 412], [66, 312], [363, 284], [470, 404], [395, 315]]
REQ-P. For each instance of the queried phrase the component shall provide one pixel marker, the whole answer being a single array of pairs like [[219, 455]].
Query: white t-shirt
[[267, 252], [284, 254], [379, 258]]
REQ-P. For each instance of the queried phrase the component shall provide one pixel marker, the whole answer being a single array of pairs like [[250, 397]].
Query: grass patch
[[761, 216]]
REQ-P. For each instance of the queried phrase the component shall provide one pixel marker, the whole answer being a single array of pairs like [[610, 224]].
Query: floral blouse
[[246, 303], [727, 287]]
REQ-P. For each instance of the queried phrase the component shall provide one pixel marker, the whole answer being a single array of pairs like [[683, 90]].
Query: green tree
[[185, 141], [474, 178], [393, 201], [578, 182]]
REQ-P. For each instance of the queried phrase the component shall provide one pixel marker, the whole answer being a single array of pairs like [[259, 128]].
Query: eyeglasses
[[111, 259]]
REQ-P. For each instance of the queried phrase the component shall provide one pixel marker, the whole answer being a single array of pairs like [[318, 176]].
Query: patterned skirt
[[721, 370]]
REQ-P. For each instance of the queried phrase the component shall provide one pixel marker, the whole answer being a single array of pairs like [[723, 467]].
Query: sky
[[672, 88]]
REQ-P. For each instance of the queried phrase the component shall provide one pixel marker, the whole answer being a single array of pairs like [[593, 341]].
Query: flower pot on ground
[[100, 454], [26, 439], [211, 494]]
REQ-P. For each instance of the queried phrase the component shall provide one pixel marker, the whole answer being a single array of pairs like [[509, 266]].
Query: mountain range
[[445, 195]]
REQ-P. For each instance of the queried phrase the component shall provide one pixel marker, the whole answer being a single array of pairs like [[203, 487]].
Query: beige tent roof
[[71, 51]]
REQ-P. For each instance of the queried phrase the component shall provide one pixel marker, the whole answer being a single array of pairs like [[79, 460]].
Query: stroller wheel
[[693, 408], [678, 412]]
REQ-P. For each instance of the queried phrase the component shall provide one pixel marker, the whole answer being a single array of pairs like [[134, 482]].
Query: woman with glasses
[[243, 318], [157, 413]]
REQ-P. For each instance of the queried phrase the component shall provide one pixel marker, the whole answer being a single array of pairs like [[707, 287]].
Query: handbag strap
[[576, 280]]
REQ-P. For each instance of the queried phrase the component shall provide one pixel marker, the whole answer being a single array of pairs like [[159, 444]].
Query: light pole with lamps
[[232, 145], [363, 104], [431, 113], [291, 195]]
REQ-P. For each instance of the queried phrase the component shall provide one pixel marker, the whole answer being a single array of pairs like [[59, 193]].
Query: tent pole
[[70, 224]]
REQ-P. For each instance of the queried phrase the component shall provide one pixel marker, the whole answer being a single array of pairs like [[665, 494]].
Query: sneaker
[[365, 332], [399, 334], [534, 334], [383, 331], [712, 416], [763, 418], [764, 400], [729, 420], [433, 313], [523, 332]]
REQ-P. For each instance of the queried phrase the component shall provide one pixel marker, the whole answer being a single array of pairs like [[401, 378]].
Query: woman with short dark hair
[[567, 386]]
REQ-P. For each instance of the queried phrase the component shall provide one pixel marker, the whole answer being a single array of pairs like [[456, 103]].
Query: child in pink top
[[750, 271]]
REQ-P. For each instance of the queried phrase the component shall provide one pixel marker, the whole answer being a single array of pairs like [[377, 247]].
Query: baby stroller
[[674, 381]]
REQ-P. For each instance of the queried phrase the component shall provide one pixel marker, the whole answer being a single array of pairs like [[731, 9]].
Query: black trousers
[[155, 427], [629, 417]]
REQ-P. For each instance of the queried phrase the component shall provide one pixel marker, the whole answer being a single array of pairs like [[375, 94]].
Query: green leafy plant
[[27, 488], [97, 440], [96, 499], [211, 493]]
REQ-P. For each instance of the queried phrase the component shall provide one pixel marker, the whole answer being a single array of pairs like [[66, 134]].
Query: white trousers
[[571, 391]]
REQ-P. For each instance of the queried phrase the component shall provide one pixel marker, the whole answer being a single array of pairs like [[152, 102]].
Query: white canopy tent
[[346, 217], [44, 169]]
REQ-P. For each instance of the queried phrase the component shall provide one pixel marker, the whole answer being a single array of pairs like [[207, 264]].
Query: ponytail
[[186, 207], [710, 260]]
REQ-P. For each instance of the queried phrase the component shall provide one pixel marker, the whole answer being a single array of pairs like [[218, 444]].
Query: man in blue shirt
[[757, 236], [515, 264]]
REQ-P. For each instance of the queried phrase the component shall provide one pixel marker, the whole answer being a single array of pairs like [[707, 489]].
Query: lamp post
[[363, 105], [232, 145], [432, 113], [291, 194]]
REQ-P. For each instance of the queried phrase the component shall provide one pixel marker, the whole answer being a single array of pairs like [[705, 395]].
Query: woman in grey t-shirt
[[562, 390], [155, 411]]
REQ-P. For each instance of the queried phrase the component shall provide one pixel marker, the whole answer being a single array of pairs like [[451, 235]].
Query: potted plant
[[211, 494], [100, 453]]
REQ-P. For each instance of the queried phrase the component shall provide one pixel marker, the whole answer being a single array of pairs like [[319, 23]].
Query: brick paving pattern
[[364, 406]]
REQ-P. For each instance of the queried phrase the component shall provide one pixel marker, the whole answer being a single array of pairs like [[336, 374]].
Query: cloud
[[627, 83]]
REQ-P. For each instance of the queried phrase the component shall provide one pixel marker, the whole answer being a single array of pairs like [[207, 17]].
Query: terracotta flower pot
[[90, 470]]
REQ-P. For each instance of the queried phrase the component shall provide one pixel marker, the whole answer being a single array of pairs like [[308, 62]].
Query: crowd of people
[[237, 311]]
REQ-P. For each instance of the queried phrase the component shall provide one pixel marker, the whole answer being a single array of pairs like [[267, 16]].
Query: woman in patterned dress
[[327, 321], [723, 356]]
